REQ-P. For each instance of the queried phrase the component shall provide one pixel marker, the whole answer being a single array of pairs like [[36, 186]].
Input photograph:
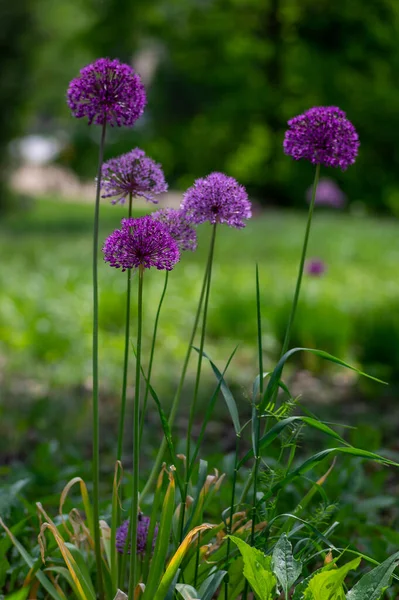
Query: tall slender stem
[[150, 363], [295, 299], [198, 375], [96, 417], [136, 445], [122, 413], [232, 503], [301, 263], [256, 424], [176, 400]]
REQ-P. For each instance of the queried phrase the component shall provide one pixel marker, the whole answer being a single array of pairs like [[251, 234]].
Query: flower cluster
[[132, 173], [328, 193], [179, 228], [143, 525], [143, 243], [217, 199], [315, 267], [323, 135], [107, 91]]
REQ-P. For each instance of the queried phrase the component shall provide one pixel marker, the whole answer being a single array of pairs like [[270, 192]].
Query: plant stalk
[[150, 363], [176, 400], [136, 445], [198, 376], [96, 417]]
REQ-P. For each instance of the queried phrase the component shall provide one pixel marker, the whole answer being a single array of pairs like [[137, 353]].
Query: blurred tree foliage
[[15, 40], [228, 75]]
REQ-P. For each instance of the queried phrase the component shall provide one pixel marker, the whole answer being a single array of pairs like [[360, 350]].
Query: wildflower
[[315, 267], [217, 198], [179, 228], [328, 193], [132, 173], [143, 524], [107, 91], [323, 135], [143, 243]]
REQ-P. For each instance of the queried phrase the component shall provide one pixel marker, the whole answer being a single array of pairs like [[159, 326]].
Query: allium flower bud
[[323, 135], [217, 199], [132, 173], [107, 91], [179, 228], [143, 243]]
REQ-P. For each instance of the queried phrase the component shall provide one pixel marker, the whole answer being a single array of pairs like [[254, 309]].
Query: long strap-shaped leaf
[[44, 580], [276, 375], [175, 562], [161, 546], [275, 431]]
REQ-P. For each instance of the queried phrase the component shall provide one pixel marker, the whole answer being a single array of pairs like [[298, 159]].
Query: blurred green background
[[223, 77]]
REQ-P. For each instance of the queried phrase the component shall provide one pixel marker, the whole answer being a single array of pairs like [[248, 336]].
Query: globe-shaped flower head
[[141, 243], [143, 525], [179, 228], [107, 91], [132, 173], [217, 199], [323, 135]]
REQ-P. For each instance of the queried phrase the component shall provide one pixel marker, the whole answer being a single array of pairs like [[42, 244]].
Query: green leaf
[[328, 584], [187, 592], [21, 594], [275, 431], [276, 375], [372, 585], [227, 395], [257, 570], [211, 584], [316, 458], [285, 567]]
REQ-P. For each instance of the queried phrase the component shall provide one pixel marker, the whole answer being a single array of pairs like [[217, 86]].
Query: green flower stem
[[301, 263], [136, 446], [154, 338], [232, 503], [198, 376], [96, 418], [126, 355], [116, 510], [294, 302], [176, 400], [256, 412]]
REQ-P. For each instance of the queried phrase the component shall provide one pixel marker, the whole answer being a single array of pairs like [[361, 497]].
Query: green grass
[[45, 293]]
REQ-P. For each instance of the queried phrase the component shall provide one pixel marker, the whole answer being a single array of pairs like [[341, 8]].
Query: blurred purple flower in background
[[107, 91], [143, 525], [328, 193], [323, 135], [178, 226], [315, 267], [217, 198], [141, 242], [132, 173]]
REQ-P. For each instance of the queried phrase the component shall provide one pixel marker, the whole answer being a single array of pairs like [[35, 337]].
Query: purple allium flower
[[107, 91], [315, 267], [328, 193], [323, 135], [217, 199], [141, 242], [179, 228], [143, 525], [132, 173]]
